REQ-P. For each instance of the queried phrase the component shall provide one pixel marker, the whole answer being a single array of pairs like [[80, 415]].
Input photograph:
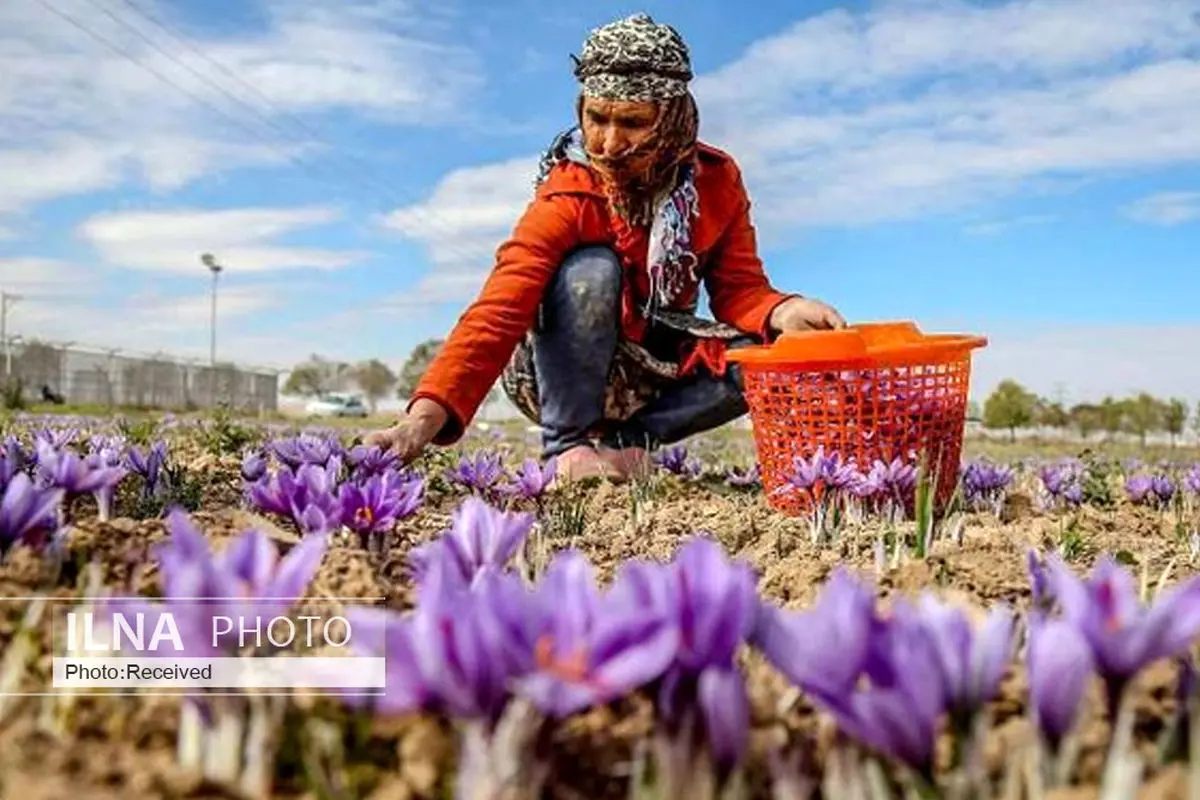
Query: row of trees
[[374, 379], [1012, 407]]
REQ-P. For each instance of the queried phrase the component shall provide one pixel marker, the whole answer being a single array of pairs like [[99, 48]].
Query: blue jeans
[[573, 349]]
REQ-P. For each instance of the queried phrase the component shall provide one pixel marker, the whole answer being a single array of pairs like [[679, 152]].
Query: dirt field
[[99, 746]]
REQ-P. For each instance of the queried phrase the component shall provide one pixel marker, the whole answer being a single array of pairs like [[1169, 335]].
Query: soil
[[124, 747]]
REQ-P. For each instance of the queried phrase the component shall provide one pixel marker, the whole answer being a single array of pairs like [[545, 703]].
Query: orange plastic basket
[[872, 391]]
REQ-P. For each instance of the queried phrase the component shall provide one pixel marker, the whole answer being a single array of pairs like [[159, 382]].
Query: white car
[[336, 405]]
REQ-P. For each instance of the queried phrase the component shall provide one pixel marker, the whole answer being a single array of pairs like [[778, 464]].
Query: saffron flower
[[366, 462], [830, 649], [589, 647], [305, 449], [744, 478], [973, 662], [481, 539], [714, 605], [372, 508], [66, 470], [480, 473], [532, 479], [246, 580], [149, 466], [986, 485], [1140, 490], [254, 466], [1123, 635], [28, 514], [1059, 663]]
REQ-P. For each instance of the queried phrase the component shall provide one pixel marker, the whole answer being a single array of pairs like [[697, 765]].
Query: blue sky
[[1027, 170]]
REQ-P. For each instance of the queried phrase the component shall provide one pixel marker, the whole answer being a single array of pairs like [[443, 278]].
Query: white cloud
[[1165, 208], [464, 219], [910, 109], [44, 277], [76, 116], [242, 239], [1089, 362]]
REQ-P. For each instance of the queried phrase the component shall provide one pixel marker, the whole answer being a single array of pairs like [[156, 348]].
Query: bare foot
[[628, 462], [582, 462]]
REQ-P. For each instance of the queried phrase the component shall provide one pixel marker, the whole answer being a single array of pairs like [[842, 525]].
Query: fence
[[111, 378]]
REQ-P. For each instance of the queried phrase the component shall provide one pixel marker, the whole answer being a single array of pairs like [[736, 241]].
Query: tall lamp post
[[210, 261], [6, 300]]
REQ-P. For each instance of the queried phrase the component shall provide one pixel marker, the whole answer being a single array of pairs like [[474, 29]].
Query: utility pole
[[6, 300], [210, 261]]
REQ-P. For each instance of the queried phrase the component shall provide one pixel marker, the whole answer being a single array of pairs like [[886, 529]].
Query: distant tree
[[418, 361], [1086, 419], [1051, 414], [1112, 416], [375, 379], [973, 411], [316, 376], [1175, 416], [1143, 415], [1008, 407]]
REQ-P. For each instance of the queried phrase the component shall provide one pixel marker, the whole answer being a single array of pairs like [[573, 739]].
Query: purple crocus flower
[[973, 662], [821, 649], [829, 649], [66, 470], [481, 539], [254, 466], [1062, 484], [308, 497], [28, 514], [149, 466], [986, 485], [1140, 490], [366, 462], [897, 713], [673, 459], [1191, 480], [714, 606], [372, 508], [1039, 580], [1059, 664], [1125, 636], [451, 655], [533, 479], [480, 473], [591, 648], [304, 449], [245, 581], [56, 438], [387, 633], [1163, 488], [744, 478]]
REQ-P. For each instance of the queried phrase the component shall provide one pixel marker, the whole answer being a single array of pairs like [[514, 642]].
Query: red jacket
[[569, 211]]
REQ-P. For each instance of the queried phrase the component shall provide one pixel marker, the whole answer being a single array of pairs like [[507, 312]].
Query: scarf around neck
[[670, 262]]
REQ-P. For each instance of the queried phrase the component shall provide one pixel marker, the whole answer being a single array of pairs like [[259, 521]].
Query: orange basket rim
[[863, 344]]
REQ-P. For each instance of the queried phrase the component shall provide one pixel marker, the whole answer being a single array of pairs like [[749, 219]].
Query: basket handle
[[852, 343]]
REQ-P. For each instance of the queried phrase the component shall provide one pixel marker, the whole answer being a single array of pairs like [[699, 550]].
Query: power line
[[295, 160]]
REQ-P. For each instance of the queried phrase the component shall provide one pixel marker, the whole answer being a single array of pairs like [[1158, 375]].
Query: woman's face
[[614, 133]]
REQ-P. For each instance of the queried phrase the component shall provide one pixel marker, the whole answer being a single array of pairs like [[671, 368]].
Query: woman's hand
[[805, 314], [409, 437]]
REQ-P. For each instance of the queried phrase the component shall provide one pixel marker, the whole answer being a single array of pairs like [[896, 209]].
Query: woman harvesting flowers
[[588, 318]]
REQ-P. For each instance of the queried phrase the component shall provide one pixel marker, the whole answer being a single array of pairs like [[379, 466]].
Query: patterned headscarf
[[637, 60]]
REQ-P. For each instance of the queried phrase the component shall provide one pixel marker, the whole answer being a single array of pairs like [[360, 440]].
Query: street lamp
[[210, 261], [6, 300]]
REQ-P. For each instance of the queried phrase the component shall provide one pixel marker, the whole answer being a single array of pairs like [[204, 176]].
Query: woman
[[588, 317]]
